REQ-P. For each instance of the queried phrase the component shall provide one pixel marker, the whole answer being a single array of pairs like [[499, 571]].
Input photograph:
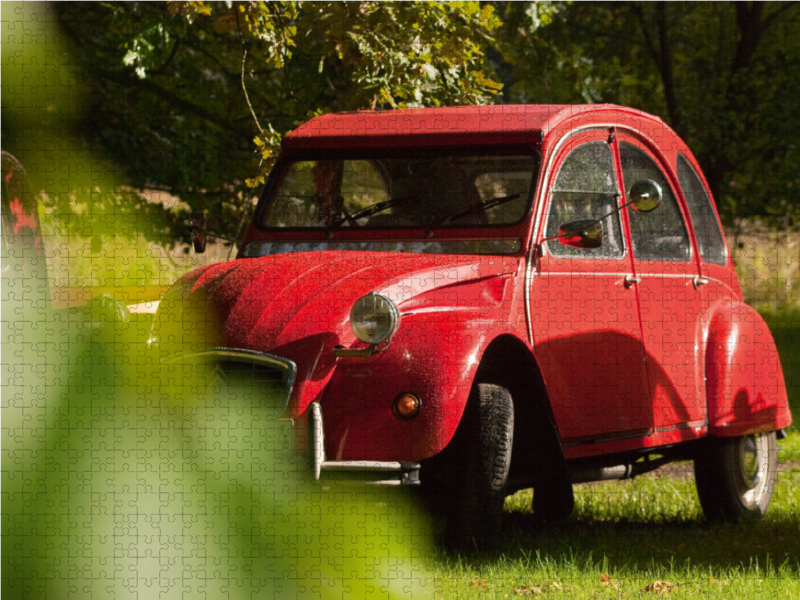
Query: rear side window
[[706, 226], [659, 235]]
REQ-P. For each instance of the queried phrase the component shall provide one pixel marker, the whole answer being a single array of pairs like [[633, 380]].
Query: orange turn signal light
[[406, 406]]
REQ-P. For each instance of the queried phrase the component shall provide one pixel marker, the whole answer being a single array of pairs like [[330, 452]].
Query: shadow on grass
[[624, 544]]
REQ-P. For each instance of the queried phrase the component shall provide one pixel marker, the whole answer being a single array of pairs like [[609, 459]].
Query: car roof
[[503, 123]]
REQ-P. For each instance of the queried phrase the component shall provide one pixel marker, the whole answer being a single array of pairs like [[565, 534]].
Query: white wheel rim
[[753, 458]]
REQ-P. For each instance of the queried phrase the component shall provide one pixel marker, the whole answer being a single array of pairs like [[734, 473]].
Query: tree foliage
[[192, 98], [721, 74]]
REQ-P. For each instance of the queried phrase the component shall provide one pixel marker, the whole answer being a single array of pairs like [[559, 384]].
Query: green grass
[[784, 323], [624, 536]]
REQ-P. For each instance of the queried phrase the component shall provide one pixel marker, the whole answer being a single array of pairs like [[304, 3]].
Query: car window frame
[[709, 202]]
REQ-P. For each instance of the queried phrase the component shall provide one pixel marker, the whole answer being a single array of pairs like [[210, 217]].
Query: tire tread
[[485, 443]]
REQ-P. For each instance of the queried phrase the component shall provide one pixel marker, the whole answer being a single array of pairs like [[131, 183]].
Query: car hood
[[265, 303]]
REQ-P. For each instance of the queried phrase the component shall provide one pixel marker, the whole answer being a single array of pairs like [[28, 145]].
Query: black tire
[[485, 438], [735, 477]]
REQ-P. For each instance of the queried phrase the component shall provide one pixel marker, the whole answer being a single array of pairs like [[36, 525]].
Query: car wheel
[[484, 441], [735, 477]]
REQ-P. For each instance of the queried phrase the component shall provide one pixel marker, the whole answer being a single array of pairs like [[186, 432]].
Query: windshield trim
[[286, 158]]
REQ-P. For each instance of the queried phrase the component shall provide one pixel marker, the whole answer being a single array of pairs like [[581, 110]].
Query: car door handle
[[630, 280], [698, 281]]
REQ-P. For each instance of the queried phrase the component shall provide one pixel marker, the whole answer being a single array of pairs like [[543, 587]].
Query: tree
[[721, 74], [178, 92]]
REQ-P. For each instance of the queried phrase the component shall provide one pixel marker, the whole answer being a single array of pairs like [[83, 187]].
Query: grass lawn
[[624, 536]]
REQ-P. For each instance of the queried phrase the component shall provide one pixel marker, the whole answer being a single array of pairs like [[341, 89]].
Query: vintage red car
[[486, 299]]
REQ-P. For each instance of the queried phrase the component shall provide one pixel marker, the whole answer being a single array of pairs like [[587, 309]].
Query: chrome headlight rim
[[392, 314]]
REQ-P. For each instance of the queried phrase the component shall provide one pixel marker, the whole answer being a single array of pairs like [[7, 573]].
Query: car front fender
[[434, 355]]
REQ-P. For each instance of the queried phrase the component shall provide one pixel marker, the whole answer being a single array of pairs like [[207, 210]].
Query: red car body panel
[[625, 367]]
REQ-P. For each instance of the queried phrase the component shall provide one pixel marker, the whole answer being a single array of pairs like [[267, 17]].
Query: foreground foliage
[[118, 483]]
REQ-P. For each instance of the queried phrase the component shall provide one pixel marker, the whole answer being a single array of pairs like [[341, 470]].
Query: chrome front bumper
[[237, 366], [367, 472]]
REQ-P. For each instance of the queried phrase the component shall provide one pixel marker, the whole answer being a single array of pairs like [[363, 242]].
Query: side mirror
[[197, 229], [645, 195], [586, 233]]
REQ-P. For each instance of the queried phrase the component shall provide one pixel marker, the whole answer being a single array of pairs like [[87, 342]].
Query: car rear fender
[[744, 381]]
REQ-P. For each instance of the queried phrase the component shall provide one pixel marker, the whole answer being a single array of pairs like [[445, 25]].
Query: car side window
[[704, 219], [586, 189], [661, 234]]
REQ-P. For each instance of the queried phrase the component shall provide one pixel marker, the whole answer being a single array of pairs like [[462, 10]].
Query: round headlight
[[374, 318]]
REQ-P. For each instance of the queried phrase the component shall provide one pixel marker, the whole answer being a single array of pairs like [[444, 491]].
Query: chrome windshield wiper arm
[[371, 210]]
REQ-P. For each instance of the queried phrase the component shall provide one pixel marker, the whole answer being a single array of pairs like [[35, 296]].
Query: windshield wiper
[[475, 208], [372, 210]]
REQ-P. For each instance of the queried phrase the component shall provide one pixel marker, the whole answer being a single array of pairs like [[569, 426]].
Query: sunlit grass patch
[[535, 575], [650, 499], [768, 264]]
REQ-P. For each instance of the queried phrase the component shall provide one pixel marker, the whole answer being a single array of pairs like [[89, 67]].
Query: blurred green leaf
[[120, 479]]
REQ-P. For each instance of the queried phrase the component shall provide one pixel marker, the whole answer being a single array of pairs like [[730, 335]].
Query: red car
[[486, 299]]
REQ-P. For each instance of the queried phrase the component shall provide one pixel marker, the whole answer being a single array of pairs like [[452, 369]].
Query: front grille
[[232, 377], [251, 383]]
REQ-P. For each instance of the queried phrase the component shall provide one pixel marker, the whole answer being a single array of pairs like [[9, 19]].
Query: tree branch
[[246, 97], [662, 57], [125, 79], [643, 27], [750, 30], [284, 61], [161, 69], [202, 50], [770, 20]]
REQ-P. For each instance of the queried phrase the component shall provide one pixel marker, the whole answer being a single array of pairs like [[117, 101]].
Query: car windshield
[[423, 191]]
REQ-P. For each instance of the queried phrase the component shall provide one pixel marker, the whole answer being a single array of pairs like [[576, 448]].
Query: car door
[[584, 316], [667, 279]]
